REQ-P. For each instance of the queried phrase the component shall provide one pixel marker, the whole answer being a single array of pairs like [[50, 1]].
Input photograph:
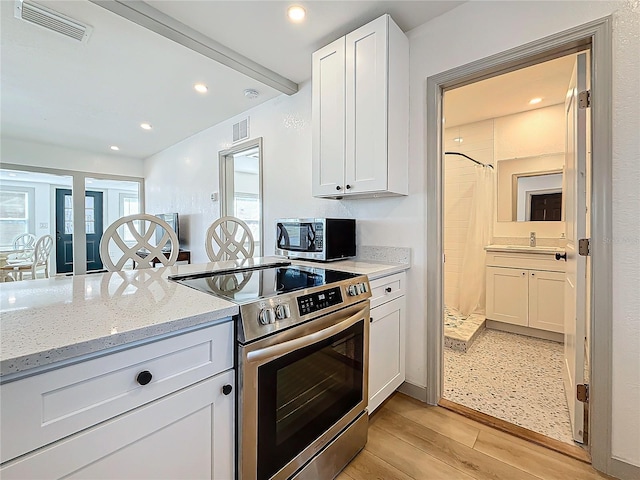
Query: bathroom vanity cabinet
[[360, 111], [386, 338], [161, 410], [526, 289]]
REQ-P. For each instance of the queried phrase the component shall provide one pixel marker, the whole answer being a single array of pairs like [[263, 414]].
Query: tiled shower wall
[[459, 184]]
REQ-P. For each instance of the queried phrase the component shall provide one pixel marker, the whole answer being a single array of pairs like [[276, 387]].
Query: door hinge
[[582, 392], [584, 99], [584, 247]]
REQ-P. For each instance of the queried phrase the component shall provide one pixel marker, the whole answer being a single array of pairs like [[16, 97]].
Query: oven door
[[299, 390]]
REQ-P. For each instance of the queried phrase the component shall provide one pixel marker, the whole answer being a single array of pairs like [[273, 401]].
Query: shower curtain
[[472, 275]]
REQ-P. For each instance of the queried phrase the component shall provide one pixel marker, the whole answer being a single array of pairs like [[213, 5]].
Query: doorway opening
[[589, 275], [504, 243], [241, 187]]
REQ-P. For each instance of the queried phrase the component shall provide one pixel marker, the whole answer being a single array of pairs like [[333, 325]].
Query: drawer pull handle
[[144, 377], [388, 289], [227, 389]]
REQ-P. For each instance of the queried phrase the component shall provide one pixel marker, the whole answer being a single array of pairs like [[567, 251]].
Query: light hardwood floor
[[411, 440]]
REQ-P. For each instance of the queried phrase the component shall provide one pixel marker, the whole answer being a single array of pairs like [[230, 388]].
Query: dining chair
[[23, 244], [229, 238], [144, 249], [39, 260]]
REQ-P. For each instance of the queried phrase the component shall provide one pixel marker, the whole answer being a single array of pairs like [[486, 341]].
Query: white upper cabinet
[[360, 104]]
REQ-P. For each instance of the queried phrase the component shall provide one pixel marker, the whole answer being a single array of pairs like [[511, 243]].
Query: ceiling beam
[[145, 15]]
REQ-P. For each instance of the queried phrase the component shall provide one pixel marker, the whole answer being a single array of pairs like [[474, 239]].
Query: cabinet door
[[386, 351], [328, 119], [188, 434], [366, 107], [546, 300], [507, 295]]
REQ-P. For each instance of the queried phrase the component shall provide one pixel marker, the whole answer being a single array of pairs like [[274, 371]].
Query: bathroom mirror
[[530, 189]]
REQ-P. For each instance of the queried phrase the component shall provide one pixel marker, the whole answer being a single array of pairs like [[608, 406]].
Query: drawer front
[[385, 289], [531, 261], [38, 410]]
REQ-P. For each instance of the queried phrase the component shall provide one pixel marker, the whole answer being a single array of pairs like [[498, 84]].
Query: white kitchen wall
[[183, 177], [482, 29]]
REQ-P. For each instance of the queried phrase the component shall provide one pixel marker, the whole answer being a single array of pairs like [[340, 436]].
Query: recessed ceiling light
[[13, 175], [201, 88], [533, 101], [115, 148], [296, 13], [145, 126], [458, 139]]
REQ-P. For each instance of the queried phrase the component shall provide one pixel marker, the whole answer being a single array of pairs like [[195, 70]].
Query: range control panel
[[317, 301]]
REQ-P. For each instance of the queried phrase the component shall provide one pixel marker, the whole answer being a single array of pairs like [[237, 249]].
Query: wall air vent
[[241, 130], [51, 20]]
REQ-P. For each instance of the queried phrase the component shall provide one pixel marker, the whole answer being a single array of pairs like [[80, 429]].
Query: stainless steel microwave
[[323, 239]]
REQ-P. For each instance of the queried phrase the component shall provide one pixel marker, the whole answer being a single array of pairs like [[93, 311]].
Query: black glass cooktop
[[249, 285]]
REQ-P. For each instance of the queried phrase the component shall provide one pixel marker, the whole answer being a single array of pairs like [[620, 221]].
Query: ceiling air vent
[[51, 20], [241, 130]]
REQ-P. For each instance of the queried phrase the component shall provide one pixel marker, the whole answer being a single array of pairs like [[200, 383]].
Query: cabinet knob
[[524, 273], [348, 187], [388, 289], [561, 256], [338, 187], [370, 319], [227, 389], [144, 377]]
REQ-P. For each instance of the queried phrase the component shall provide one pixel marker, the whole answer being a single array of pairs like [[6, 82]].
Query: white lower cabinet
[[187, 433], [386, 338], [529, 298]]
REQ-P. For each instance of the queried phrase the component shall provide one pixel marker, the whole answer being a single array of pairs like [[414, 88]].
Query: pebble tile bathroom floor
[[511, 377]]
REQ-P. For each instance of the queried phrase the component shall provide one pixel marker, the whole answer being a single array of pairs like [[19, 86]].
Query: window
[[129, 205], [16, 213]]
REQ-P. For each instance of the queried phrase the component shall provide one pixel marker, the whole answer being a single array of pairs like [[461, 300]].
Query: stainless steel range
[[302, 358]]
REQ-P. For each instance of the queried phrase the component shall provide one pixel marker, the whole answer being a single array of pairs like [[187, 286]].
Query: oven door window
[[302, 394]]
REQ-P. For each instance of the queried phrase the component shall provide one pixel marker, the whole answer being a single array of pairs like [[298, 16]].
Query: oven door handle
[[280, 349]]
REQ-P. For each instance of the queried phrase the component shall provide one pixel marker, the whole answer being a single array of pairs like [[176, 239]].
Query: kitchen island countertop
[[65, 319]]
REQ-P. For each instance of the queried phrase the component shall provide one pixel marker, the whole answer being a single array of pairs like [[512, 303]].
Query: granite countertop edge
[[37, 362]]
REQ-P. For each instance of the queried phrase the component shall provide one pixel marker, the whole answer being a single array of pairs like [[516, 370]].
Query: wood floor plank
[[571, 450], [409, 459], [522, 445], [455, 454], [434, 418], [538, 461], [367, 466], [343, 476]]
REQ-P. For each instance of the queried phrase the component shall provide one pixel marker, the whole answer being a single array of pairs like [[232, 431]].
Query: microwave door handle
[[275, 351]]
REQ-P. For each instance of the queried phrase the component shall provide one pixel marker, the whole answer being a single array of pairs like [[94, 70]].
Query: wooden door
[[187, 435], [386, 351], [575, 221], [507, 295], [367, 60], [546, 300], [64, 230], [327, 96]]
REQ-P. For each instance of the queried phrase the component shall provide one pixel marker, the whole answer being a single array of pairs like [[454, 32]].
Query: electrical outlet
[[214, 197], [44, 225]]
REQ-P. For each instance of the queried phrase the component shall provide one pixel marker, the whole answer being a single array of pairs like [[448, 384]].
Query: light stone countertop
[[60, 319], [51, 320], [544, 250], [372, 269]]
